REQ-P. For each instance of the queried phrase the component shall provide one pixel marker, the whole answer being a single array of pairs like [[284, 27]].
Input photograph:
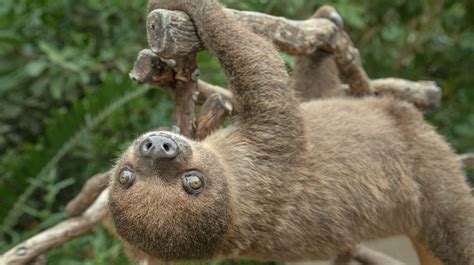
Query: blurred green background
[[67, 106]]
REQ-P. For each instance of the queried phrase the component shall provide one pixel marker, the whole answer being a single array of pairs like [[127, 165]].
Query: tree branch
[[89, 193], [423, 94], [171, 34], [368, 256], [150, 69], [206, 90], [185, 91], [213, 112], [467, 160], [58, 234]]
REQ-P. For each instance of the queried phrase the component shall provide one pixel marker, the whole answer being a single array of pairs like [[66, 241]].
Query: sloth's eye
[[193, 183], [126, 178]]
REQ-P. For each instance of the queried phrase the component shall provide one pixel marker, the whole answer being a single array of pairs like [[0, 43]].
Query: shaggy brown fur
[[292, 182], [316, 75]]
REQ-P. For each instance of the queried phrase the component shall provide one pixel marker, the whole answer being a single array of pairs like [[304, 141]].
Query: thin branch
[[58, 234], [213, 112], [89, 193], [467, 160], [368, 256], [423, 94], [206, 90]]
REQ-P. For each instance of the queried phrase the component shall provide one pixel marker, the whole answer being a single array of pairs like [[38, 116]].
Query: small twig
[[58, 234], [368, 256], [89, 193], [467, 160], [213, 112], [206, 90]]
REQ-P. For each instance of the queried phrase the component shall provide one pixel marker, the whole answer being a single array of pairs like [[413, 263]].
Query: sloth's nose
[[159, 146]]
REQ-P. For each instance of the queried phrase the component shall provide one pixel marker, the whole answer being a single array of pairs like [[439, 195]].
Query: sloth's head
[[169, 197]]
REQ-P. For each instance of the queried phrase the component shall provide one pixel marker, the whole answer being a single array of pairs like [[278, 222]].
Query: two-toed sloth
[[288, 181]]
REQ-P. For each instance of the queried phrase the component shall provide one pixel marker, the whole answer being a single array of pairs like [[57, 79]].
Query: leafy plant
[[61, 136]]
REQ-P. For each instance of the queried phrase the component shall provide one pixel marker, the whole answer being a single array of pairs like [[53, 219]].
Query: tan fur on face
[[294, 182], [158, 217]]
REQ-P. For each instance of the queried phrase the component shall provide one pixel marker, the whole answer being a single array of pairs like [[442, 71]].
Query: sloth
[[316, 75], [288, 181]]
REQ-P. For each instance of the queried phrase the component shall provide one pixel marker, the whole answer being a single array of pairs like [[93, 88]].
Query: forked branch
[[150, 69], [171, 34]]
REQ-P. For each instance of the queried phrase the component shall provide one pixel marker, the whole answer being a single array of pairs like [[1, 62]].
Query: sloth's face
[[169, 198]]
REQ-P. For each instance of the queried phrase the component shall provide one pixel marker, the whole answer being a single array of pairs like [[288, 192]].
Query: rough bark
[[185, 91], [213, 112], [423, 94], [171, 34], [150, 69], [57, 235]]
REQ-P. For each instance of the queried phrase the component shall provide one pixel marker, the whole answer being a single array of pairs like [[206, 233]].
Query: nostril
[[169, 148], [147, 146], [165, 147]]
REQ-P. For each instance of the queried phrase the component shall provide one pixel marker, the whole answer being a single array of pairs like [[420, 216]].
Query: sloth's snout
[[158, 147]]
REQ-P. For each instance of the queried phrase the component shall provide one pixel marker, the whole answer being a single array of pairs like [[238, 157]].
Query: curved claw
[[337, 19], [329, 12]]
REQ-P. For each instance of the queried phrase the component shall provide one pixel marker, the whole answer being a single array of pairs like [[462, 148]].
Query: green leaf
[[33, 69]]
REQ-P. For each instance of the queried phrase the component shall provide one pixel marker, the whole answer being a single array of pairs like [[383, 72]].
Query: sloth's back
[[377, 139], [371, 165]]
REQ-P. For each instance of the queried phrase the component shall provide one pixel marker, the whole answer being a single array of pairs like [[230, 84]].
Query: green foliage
[[63, 135], [67, 108]]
